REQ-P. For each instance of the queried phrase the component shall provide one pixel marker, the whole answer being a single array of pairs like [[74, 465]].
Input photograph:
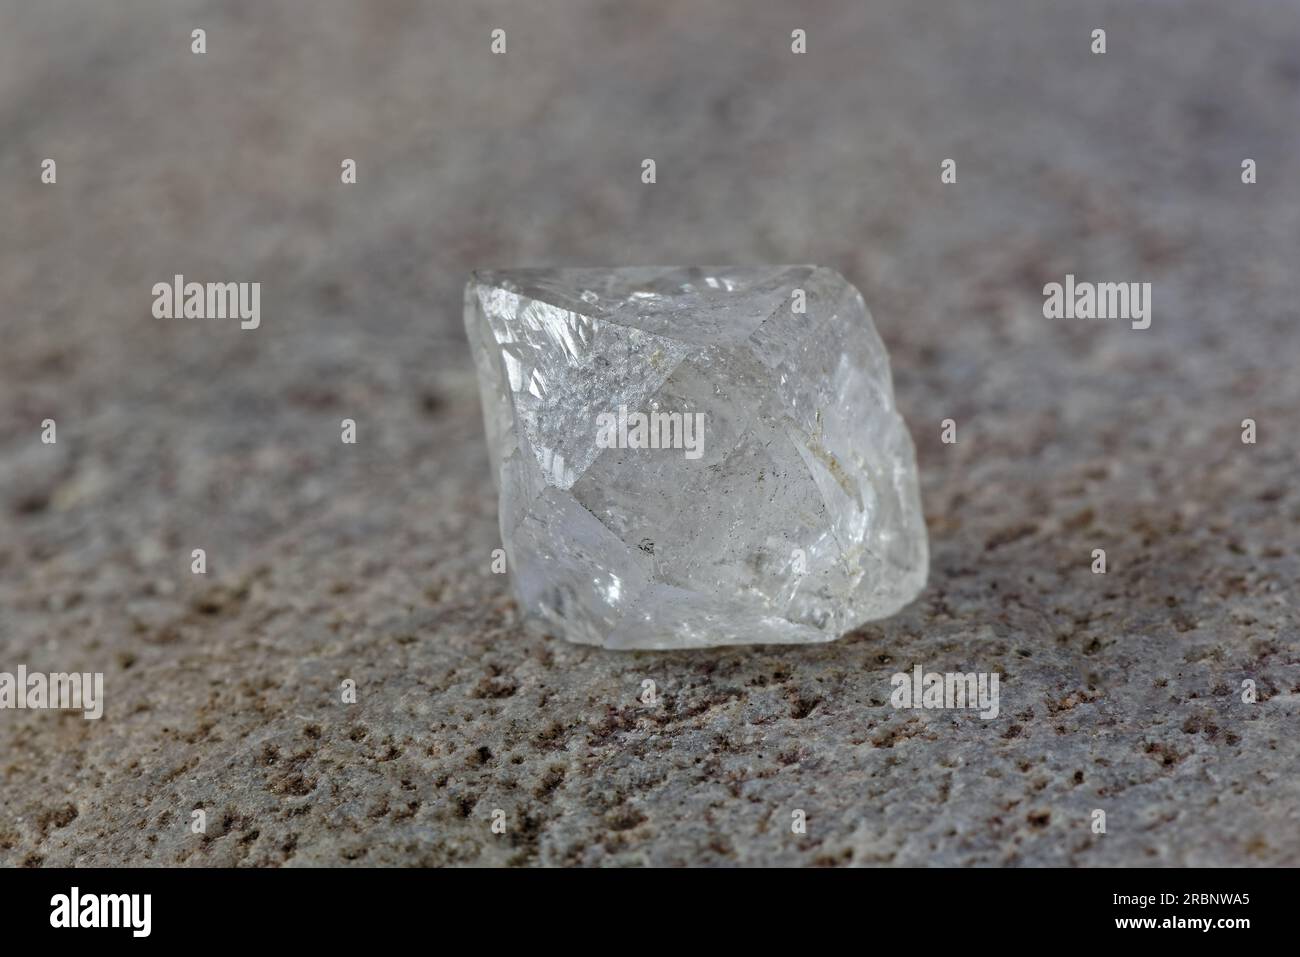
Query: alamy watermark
[[179, 299], [60, 691], [1102, 300], [652, 430], [947, 691], [75, 909]]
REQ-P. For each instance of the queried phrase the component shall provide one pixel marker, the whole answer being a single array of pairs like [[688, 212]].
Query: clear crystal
[[798, 519]]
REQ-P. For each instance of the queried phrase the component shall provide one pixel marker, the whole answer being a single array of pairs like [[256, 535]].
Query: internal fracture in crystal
[[694, 456]]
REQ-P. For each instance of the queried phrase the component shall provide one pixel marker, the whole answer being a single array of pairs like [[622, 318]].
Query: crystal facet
[[790, 514]]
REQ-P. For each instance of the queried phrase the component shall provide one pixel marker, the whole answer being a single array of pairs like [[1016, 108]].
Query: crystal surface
[[791, 512]]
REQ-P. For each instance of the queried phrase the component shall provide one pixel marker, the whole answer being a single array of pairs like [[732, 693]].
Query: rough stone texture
[[327, 561]]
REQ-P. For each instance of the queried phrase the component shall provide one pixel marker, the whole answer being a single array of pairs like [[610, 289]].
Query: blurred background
[[328, 561]]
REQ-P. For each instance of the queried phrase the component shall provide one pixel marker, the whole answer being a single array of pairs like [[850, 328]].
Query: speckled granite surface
[[371, 562]]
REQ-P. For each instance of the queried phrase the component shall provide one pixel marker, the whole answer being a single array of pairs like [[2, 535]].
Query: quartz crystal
[[692, 456]]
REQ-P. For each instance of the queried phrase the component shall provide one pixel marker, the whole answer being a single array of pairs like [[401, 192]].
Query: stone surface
[[694, 456], [1120, 692]]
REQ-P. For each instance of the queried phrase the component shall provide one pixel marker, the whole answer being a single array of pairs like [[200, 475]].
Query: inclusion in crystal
[[693, 456]]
